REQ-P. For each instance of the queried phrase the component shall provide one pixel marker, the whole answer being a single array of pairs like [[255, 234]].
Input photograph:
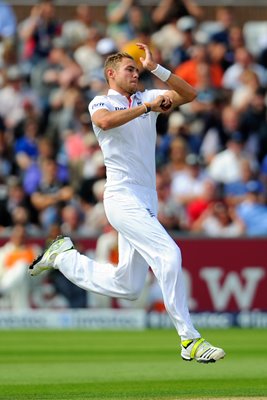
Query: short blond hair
[[113, 60]]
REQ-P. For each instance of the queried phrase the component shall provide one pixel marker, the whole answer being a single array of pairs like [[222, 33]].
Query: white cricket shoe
[[46, 260], [201, 351]]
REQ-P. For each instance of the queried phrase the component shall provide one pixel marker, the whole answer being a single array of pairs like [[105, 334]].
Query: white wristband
[[162, 73]]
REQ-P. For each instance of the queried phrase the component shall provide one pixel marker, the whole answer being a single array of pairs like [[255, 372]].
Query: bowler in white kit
[[124, 122]]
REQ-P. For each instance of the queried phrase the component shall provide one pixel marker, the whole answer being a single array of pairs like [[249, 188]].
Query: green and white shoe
[[45, 261], [201, 351]]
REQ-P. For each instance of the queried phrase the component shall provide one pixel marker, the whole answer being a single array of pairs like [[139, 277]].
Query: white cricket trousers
[[143, 242]]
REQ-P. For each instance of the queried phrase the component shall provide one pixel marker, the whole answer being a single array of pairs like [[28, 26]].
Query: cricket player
[[124, 123]]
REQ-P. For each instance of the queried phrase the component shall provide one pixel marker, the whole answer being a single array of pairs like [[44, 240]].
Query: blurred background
[[211, 154]]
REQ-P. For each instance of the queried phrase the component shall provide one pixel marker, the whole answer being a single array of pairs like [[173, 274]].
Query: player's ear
[[110, 73]]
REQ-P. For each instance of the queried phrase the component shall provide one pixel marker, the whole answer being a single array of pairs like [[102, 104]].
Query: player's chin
[[133, 87]]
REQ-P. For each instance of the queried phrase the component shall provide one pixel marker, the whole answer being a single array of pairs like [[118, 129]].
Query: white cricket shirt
[[129, 150]]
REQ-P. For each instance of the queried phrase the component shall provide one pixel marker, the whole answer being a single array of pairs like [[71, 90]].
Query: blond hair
[[113, 60]]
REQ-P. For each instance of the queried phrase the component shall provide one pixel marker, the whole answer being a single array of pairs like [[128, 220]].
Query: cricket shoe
[[201, 351], [45, 261]]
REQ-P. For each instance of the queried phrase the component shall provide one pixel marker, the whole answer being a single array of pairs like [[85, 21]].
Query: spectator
[[166, 39], [225, 167], [242, 95], [33, 174], [243, 61], [182, 52], [13, 96], [170, 213], [189, 184], [254, 125], [177, 127], [171, 10], [177, 156], [235, 192], [117, 19], [79, 146], [26, 147], [207, 93], [95, 219], [93, 171], [190, 70], [58, 88], [235, 40], [37, 32], [91, 49], [263, 176], [252, 210], [225, 18], [8, 21], [198, 206], [221, 126], [138, 20], [50, 195], [62, 116], [219, 221], [224, 48], [15, 199], [8, 27], [15, 257], [70, 220], [75, 31], [7, 165]]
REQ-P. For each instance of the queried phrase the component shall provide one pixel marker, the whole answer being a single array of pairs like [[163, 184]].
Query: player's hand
[[166, 103], [147, 61], [162, 104]]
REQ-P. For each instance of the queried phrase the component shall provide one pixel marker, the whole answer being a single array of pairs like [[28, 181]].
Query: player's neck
[[121, 91]]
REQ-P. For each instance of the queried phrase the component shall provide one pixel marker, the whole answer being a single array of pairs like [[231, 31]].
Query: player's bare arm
[[181, 92], [105, 119]]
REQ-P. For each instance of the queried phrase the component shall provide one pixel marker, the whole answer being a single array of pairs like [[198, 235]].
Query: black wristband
[[148, 107]]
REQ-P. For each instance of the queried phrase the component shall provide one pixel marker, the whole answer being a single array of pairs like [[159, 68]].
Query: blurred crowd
[[211, 154]]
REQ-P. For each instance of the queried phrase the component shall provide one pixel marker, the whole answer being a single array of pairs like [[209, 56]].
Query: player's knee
[[174, 256], [172, 263]]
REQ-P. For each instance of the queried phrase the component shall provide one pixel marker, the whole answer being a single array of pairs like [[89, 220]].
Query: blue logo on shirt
[[97, 105]]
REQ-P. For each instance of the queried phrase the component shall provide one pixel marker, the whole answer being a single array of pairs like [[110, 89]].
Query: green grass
[[128, 365]]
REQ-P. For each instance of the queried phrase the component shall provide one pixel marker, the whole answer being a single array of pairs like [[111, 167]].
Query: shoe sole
[[38, 270], [203, 361]]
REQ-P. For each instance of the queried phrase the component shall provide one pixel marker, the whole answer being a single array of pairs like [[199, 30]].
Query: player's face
[[126, 76]]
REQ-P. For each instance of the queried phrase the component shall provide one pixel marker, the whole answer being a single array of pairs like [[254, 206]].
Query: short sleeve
[[99, 103]]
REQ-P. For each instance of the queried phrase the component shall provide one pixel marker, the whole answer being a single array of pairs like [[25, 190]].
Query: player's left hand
[[147, 61]]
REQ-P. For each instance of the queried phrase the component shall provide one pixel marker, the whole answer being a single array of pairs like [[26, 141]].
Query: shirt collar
[[115, 93]]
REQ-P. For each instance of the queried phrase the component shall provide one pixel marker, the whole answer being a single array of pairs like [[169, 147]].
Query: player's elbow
[[104, 124], [102, 119], [192, 94]]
